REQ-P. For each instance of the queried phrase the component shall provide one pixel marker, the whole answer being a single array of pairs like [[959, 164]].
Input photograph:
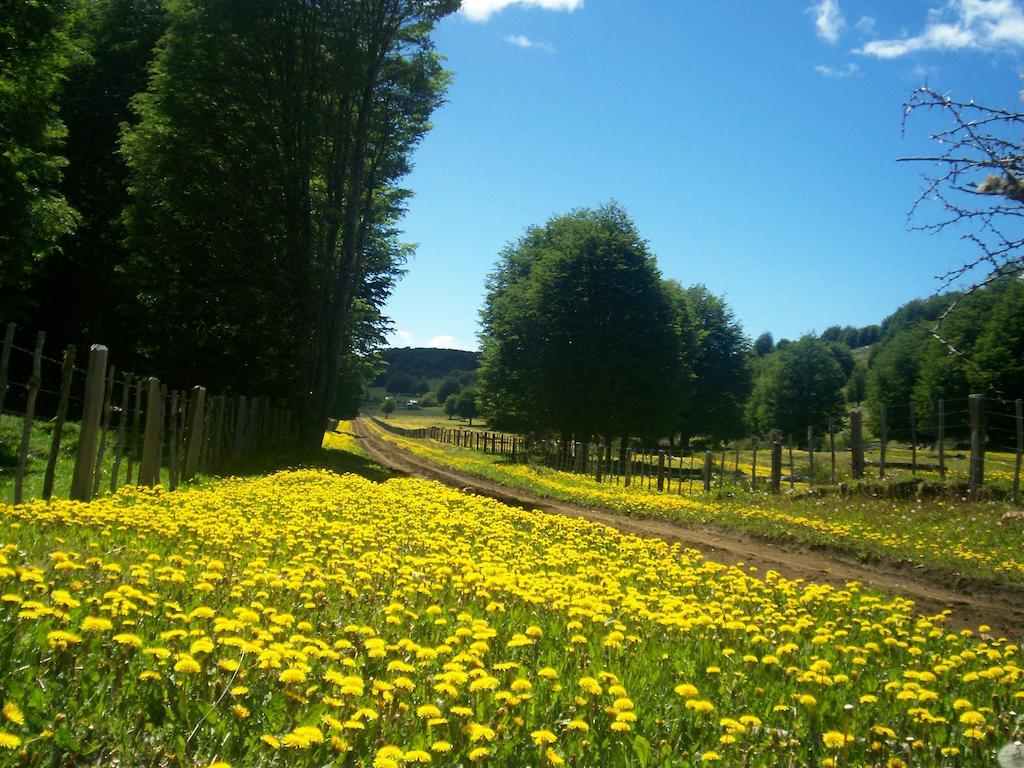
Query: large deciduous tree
[[263, 177], [35, 52], [77, 289], [578, 332], [717, 353], [797, 387]]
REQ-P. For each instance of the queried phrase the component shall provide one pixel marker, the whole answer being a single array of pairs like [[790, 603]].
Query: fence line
[[182, 432], [987, 420]]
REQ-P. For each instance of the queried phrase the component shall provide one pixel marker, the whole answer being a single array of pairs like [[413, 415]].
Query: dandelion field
[[308, 618], [965, 538]]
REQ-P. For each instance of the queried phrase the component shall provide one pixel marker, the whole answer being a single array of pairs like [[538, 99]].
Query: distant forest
[[412, 370]]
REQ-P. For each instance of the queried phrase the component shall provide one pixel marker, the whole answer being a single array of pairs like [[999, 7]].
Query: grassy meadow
[[307, 618]]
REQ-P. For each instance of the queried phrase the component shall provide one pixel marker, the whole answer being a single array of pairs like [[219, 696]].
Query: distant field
[[422, 418]]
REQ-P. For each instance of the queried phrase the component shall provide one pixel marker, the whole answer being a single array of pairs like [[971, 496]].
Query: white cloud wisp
[[522, 41], [828, 20], [984, 25], [850, 70], [482, 10]]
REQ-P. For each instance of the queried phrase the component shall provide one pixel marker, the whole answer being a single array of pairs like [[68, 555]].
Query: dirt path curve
[[973, 602]]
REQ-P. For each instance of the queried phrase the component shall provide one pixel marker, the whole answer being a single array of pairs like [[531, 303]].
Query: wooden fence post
[[92, 410], [172, 422], [721, 469], [104, 427], [239, 440], [115, 471], [975, 405], [709, 459], [776, 477], [196, 414], [810, 456], [67, 371], [832, 449], [689, 487], [34, 384], [856, 444], [884, 426], [753, 466], [942, 439], [5, 359], [913, 439], [1020, 450], [137, 415], [661, 470], [792, 469], [152, 437]]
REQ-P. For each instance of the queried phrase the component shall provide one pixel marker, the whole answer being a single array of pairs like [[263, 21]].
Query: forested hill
[[425, 363]]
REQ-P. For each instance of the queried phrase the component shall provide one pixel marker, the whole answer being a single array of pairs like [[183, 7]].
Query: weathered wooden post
[[832, 449], [776, 477], [195, 433], [5, 359], [753, 465], [136, 418], [689, 487], [913, 439], [721, 469], [975, 405], [942, 440], [152, 436], [661, 470], [115, 471], [856, 444], [108, 409], [792, 468], [884, 427], [810, 456], [35, 382], [239, 438], [92, 411], [1020, 450], [172, 462], [709, 460], [67, 370]]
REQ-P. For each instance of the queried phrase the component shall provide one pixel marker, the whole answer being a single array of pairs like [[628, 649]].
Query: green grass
[[423, 418]]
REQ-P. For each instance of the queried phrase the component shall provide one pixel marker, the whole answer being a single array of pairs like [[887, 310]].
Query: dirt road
[[972, 601]]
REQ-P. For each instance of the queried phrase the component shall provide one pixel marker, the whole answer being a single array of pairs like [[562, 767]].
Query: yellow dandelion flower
[[9, 740], [543, 737], [96, 624], [13, 713]]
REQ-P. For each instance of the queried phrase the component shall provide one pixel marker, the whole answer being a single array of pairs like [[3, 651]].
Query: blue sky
[[754, 144]]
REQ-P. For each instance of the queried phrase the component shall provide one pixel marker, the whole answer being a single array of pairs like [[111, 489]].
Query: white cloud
[[482, 10], [401, 339], [850, 70], [865, 24], [983, 25], [828, 19], [522, 41]]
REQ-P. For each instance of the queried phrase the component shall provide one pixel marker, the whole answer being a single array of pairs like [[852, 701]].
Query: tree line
[[582, 337], [213, 187]]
